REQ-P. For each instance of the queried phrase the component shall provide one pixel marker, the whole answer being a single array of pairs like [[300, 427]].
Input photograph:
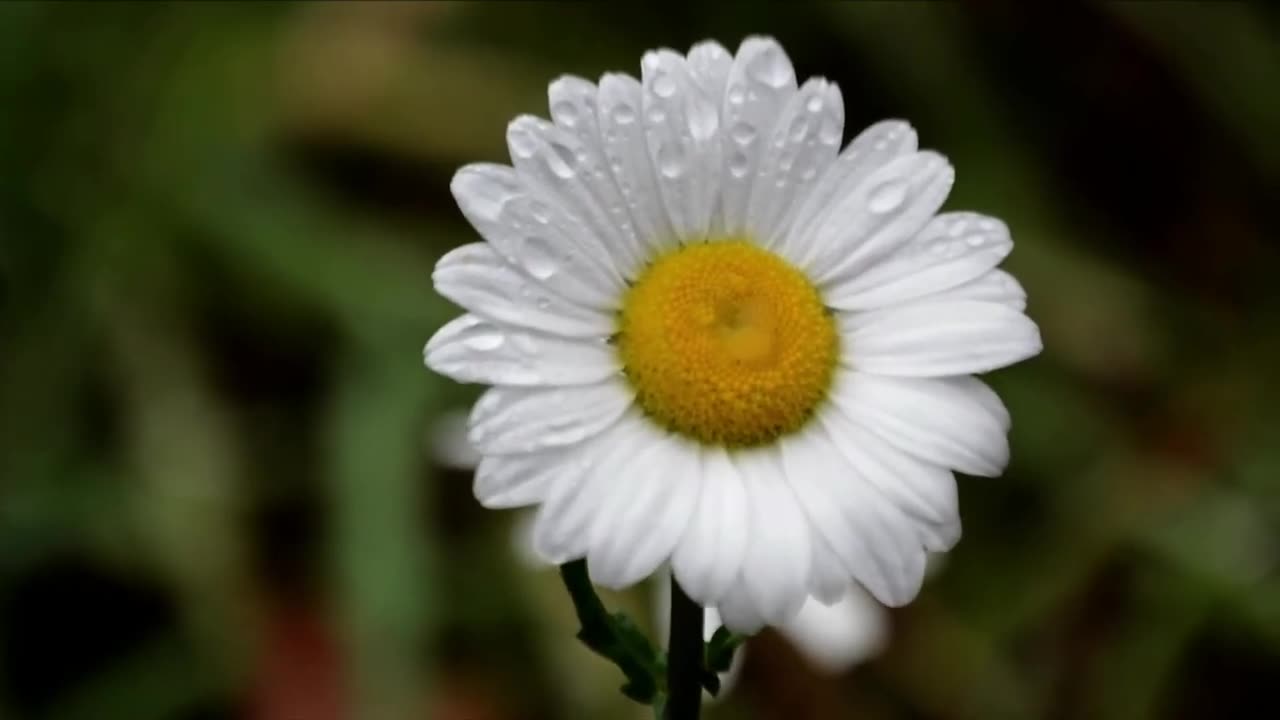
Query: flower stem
[[684, 657]]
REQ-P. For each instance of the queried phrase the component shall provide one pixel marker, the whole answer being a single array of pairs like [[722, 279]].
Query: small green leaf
[[720, 649]]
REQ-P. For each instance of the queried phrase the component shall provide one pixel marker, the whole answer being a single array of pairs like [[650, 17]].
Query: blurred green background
[[218, 494]]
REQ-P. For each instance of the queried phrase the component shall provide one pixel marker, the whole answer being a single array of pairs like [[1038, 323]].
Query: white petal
[[738, 610], [556, 166], [924, 493], [510, 420], [871, 150], [761, 83], [995, 286], [709, 555], [637, 531], [878, 216], [803, 145], [837, 637], [574, 497], [573, 107], [682, 130], [469, 349], [829, 580], [937, 339], [945, 421], [709, 64], [475, 277], [621, 106], [507, 481], [534, 235], [880, 546], [775, 570], [953, 249]]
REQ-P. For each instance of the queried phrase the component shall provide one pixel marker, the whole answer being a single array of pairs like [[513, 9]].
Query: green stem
[[684, 657]]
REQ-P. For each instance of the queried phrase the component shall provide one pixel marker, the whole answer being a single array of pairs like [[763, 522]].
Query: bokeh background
[[224, 491]]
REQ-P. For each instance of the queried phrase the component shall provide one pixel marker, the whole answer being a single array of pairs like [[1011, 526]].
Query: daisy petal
[[507, 481], [709, 64], [944, 421], [555, 165], [637, 530], [709, 555], [470, 349], [475, 277], [953, 249], [878, 216], [871, 150], [995, 286], [620, 106], [761, 83], [803, 145], [738, 610], [580, 488], [829, 579], [937, 339], [682, 130], [573, 107], [775, 570], [509, 420], [535, 236]]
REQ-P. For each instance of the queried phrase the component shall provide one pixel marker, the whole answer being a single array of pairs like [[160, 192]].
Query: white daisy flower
[[716, 341]]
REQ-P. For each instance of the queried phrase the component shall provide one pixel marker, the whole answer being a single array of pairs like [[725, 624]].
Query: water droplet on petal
[[664, 86], [737, 94], [771, 68], [562, 161], [814, 104], [975, 240], [987, 225], [958, 228], [624, 114], [485, 341], [704, 120], [939, 247], [830, 130], [743, 133], [539, 257], [543, 303], [565, 113], [523, 143], [525, 343], [671, 160], [738, 164], [657, 115], [887, 197]]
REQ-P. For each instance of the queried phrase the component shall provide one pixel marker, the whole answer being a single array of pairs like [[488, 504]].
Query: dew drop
[[743, 133], [737, 94], [704, 120], [887, 197], [543, 303], [657, 115], [624, 114], [987, 225], [565, 113], [664, 86], [814, 105], [958, 228], [523, 143], [771, 68], [539, 257], [738, 164], [525, 344], [485, 341], [562, 161], [671, 160], [808, 174], [975, 240], [939, 247]]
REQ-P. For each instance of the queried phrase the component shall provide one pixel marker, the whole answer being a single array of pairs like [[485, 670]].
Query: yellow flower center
[[726, 343]]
